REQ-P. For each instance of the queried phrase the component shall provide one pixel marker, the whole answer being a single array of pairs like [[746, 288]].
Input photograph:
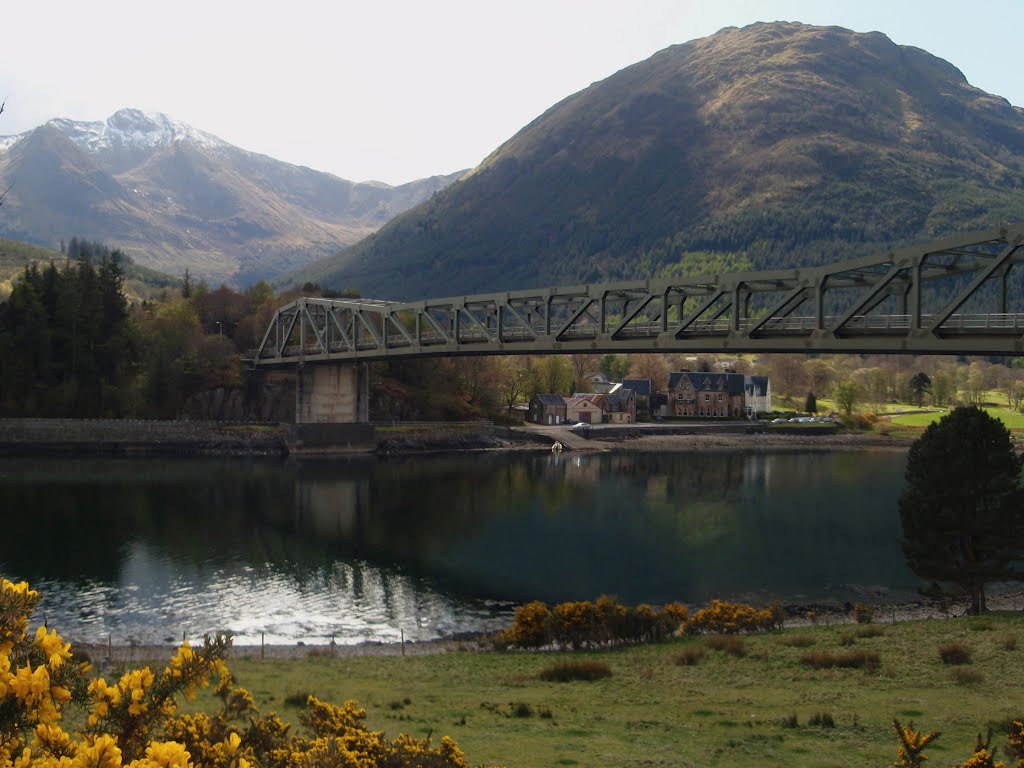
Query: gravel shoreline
[[758, 442], [830, 614]]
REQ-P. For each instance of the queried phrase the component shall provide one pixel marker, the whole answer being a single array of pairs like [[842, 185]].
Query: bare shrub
[[575, 670], [731, 644], [863, 614], [955, 652], [690, 656], [866, 660], [822, 720], [798, 641], [965, 676], [871, 630]]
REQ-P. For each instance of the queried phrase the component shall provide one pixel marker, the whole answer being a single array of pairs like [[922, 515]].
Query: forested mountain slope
[[772, 145]]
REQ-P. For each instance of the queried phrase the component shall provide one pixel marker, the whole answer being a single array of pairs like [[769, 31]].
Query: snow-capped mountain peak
[[133, 129]]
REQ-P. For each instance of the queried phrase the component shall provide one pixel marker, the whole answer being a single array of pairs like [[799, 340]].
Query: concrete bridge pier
[[332, 409], [332, 394]]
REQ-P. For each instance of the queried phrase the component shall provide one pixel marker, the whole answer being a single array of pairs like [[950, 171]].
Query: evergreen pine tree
[[960, 510]]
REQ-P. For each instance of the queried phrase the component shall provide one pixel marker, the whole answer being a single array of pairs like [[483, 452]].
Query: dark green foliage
[[569, 671], [68, 346], [960, 507], [811, 403], [72, 347], [920, 385]]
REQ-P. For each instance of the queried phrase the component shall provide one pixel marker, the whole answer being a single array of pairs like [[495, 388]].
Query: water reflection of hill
[[645, 526]]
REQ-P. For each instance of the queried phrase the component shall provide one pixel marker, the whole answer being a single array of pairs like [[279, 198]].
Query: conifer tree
[[961, 508]]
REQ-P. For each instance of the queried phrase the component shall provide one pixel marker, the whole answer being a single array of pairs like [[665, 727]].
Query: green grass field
[[1010, 418], [652, 711]]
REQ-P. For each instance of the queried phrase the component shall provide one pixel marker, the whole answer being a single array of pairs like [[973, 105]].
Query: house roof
[[551, 399], [619, 399], [639, 386], [601, 401], [706, 381], [757, 384]]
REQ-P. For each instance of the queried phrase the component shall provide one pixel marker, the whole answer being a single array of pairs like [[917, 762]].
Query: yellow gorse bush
[[586, 624], [135, 723], [720, 617], [912, 744]]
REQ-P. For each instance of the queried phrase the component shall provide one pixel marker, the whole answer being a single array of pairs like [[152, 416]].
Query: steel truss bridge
[[959, 295]]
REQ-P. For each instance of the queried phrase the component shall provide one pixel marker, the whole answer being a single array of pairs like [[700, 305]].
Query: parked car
[[780, 421], [582, 429]]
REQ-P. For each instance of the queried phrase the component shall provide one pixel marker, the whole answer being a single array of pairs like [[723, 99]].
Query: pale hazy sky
[[396, 91]]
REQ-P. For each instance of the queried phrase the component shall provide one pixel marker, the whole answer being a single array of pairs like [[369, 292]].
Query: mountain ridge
[[176, 197], [773, 145]]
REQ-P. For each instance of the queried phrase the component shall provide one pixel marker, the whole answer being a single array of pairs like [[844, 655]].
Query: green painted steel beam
[[729, 312]]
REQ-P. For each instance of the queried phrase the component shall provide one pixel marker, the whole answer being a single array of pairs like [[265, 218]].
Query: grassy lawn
[[653, 711], [1011, 419]]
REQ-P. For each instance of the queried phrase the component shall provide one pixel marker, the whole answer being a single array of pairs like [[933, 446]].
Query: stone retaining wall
[[126, 437]]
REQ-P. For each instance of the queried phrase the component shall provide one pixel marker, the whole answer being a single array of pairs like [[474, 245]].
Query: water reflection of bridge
[[960, 295]]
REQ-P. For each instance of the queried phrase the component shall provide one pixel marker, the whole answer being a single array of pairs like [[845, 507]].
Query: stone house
[[620, 405], [547, 409], [642, 390], [598, 383], [757, 395], [715, 395], [588, 408]]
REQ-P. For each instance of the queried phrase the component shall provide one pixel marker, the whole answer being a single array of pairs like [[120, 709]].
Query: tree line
[[73, 346]]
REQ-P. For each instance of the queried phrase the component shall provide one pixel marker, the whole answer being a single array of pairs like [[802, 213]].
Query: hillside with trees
[[769, 146]]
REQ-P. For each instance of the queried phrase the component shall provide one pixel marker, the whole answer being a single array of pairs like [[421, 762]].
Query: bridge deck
[[960, 295]]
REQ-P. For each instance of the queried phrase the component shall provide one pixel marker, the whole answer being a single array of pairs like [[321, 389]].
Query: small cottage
[[758, 395], [588, 408], [642, 390], [620, 406], [547, 409]]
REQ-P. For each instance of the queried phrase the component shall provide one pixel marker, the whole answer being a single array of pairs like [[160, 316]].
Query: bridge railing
[[925, 298], [1003, 322]]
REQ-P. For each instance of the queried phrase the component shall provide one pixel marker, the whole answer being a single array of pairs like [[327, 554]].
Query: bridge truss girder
[[958, 295]]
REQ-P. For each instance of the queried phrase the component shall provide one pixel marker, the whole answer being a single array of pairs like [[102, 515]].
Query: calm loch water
[[365, 550]]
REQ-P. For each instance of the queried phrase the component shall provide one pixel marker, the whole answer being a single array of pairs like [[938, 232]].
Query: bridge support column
[[332, 394]]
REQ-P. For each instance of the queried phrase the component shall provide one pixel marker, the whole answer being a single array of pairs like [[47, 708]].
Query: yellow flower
[[169, 754], [53, 647], [232, 742], [28, 685], [21, 588], [102, 752]]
